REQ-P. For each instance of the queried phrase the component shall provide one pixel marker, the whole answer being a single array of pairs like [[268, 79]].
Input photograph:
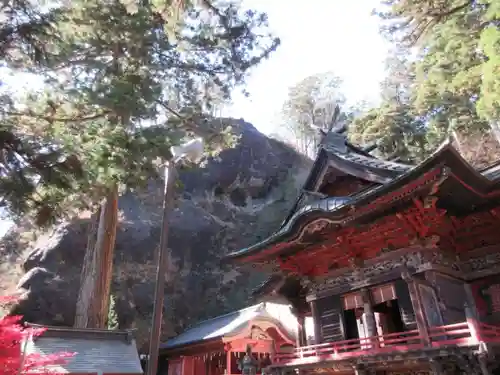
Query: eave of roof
[[83, 333], [446, 155], [352, 161], [215, 328], [355, 161]]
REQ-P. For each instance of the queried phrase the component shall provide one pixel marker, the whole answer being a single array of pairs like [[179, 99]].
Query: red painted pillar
[[475, 333], [228, 362]]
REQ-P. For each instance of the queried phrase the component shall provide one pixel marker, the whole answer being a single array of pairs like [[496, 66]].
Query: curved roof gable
[[230, 324], [479, 183]]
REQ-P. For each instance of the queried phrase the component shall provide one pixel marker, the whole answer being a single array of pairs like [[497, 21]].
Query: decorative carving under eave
[[440, 258], [314, 230], [332, 282], [481, 263], [419, 224], [316, 226], [258, 333], [411, 259]]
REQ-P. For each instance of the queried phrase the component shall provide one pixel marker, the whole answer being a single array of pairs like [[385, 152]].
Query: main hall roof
[[462, 189]]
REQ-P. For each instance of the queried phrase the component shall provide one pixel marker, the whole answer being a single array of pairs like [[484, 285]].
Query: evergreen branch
[[451, 11], [60, 119], [189, 123], [430, 19]]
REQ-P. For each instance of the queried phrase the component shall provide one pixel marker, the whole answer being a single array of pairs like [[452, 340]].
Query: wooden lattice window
[[383, 294], [352, 301]]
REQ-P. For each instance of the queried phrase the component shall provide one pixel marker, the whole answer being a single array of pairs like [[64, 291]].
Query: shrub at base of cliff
[[12, 336]]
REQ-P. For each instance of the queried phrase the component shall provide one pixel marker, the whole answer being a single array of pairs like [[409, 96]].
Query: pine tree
[[393, 125], [124, 80], [310, 105], [111, 69], [454, 66]]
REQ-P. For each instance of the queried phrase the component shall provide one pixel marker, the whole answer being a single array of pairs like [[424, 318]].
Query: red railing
[[459, 334], [488, 333]]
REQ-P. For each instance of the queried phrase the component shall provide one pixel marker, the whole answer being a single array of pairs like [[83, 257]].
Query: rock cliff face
[[228, 203]]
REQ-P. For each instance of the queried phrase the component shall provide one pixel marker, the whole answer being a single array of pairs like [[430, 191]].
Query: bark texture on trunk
[[93, 297], [88, 274], [105, 245]]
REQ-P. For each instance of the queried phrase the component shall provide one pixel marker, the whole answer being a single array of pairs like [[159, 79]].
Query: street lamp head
[[191, 151]]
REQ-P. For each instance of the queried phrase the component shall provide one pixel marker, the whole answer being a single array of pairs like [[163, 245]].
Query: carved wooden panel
[[330, 318], [405, 304], [451, 293], [430, 305], [486, 294], [258, 333]]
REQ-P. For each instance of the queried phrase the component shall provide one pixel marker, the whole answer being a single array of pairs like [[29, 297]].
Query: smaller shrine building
[[216, 346]]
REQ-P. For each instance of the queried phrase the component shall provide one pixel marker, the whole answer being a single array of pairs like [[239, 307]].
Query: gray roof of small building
[[96, 351], [225, 324]]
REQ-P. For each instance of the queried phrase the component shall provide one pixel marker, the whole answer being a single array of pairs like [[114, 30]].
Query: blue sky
[[317, 36]]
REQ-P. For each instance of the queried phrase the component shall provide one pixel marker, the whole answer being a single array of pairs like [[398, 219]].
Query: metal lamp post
[[191, 151]]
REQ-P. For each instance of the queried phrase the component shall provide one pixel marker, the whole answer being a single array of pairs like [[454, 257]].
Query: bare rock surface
[[227, 203]]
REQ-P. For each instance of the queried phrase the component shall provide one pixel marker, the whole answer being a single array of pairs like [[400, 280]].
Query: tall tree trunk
[[88, 274], [105, 244], [93, 297]]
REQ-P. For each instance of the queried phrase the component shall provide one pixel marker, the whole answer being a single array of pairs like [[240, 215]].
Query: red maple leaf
[[13, 361]]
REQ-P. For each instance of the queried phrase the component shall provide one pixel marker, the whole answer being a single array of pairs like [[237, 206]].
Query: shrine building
[[395, 266], [216, 346]]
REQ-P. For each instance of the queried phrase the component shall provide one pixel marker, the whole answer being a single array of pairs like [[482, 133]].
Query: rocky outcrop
[[225, 204]]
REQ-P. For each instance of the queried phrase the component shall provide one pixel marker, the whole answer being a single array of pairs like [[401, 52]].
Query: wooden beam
[[214, 345]]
